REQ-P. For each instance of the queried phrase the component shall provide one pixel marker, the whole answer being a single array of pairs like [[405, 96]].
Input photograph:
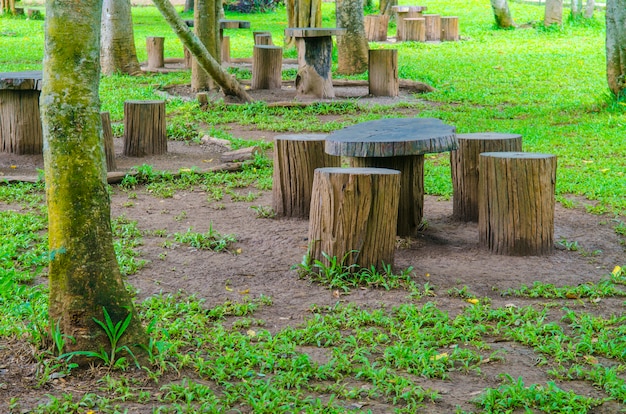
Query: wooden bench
[[20, 121]]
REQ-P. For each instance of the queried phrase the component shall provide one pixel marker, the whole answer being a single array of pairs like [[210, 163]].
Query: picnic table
[[399, 144], [315, 45], [20, 122]]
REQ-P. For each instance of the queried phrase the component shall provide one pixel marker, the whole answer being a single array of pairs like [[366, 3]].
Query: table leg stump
[[20, 123], [464, 168], [225, 49], [353, 216], [155, 49], [296, 156], [449, 29], [383, 72], [376, 27], [415, 29], [314, 76], [267, 64], [263, 38], [144, 128], [107, 137], [516, 203], [411, 203], [432, 23]]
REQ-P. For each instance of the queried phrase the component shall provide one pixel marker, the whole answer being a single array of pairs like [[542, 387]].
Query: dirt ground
[[446, 254]]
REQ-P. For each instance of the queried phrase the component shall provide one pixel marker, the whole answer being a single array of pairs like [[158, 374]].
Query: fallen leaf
[[211, 160], [228, 288], [251, 333], [571, 295], [335, 293], [439, 356], [472, 301], [14, 166], [616, 271], [244, 292], [238, 251], [591, 359]]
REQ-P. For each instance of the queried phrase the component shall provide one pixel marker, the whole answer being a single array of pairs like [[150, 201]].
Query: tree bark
[[352, 45], [228, 84], [616, 46], [589, 7], [117, 42], [206, 26], [302, 13], [189, 6], [502, 14], [383, 72], [554, 12], [84, 275], [386, 5]]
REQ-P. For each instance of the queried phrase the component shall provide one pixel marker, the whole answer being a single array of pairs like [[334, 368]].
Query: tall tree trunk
[[352, 46], [206, 26], [303, 13], [554, 12], [502, 14], [616, 46], [589, 7], [188, 5], [228, 84], [576, 8], [117, 42], [386, 5], [84, 275]]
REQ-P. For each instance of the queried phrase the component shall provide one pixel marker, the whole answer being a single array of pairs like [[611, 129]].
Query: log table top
[[408, 9], [26, 80], [313, 31], [392, 137]]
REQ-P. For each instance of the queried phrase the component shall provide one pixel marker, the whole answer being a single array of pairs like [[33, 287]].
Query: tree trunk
[[117, 42], [589, 7], [352, 46], [84, 275], [386, 5], [554, 12], [616, 46], [302, 13], [576, 8], [229, 85], [502, 14], [188, 6], [206, 26]]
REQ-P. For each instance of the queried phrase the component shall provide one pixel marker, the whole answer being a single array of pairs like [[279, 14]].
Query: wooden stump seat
[[415, 29], [376, 27], [432, 24], [353, 215], [20, 121], [144, 128], [107, 137], [383, 72], [449, 28], [267, 64], [402, 13], [156, 55], [464, 168], [516, 203], [296, 156], [262, 38]]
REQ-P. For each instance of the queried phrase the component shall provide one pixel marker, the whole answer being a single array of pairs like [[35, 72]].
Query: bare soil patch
[[446, 255]]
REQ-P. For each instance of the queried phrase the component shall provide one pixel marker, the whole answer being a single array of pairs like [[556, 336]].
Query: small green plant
[[571, 246], [211, 240], [264, 212], [114, 332]]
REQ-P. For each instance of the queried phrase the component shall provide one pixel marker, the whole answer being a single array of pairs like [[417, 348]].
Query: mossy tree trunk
[[117, 42], [84, 275], [502, 14], [352, 46], [229, 85], [616, 46]]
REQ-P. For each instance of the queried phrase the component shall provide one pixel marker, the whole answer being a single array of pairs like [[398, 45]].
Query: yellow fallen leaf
[[591, 359], [238, 251], [211, 160], [14, 166], [604, 170], [251, 333], [244, 292], [616, 271], [427, 275], [228, 288], [472, 301], [571, 295], [439, 356], [185, 170], [587, 161]]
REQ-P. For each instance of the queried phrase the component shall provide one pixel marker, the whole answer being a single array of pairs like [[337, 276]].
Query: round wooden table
[[399, 144]]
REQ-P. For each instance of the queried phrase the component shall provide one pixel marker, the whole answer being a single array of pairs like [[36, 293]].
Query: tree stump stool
[[376, 27], [154, 47], [383, 72], [402, 13], [107, 138], [433, 27], [449, 29], [263, 38], [516, 203], [225, 49], [267, 67], [296, 156], [464, 167], [20, 123], [144, 128], [415, 29], [353, 215]]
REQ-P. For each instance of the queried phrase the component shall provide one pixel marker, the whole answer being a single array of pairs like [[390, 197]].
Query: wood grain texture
[[433, 27], [516, 203], [402, 13], [155, 49], [296, 156], [392, 137], [411, 202], [415, 29], [353, 215], [144, 128], [383, 72], [376, 27], [449, 28], [464, 168], [107, 138], [20, 121], [267, 63]]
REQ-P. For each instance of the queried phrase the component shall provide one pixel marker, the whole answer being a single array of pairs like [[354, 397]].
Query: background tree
[[352, 46], [616, 46], [590, 5], [7, 6], [84, 275], [502, 14], [303, 13], [206, 27], [117, 42], [386, 5], [553, 13]]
